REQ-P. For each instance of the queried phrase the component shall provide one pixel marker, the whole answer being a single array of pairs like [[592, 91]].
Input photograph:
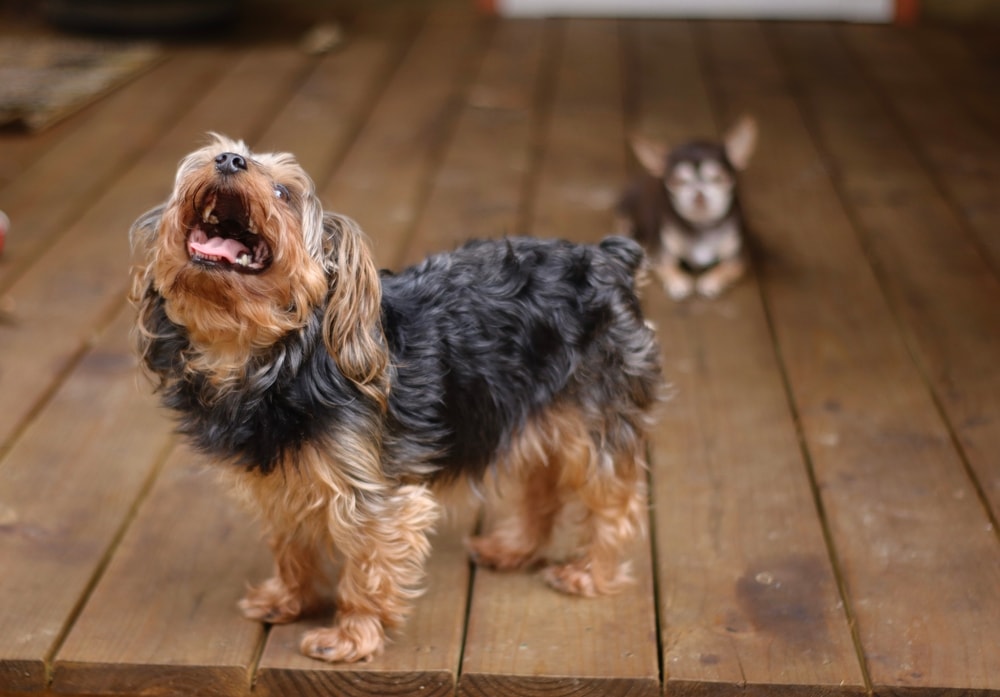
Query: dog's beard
[[233, 266]]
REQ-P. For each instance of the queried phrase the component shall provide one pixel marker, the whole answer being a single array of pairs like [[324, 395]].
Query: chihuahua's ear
[[741, 140], [651, 154]]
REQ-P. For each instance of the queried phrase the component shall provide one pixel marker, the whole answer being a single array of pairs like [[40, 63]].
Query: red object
[[907, 11], [4, 228]]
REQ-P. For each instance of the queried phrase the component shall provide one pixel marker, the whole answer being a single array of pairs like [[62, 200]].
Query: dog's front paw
[[679, 286], [493, 552], [579, 578], [353, 638], [710, 286], [271, 602]]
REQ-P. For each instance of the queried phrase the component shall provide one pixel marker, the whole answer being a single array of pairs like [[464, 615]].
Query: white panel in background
[[855, 10]]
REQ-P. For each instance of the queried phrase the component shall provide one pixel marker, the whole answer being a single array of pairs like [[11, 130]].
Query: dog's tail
[[626, 251]]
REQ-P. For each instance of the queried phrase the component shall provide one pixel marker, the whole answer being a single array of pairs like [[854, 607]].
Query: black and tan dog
[[340, 400]]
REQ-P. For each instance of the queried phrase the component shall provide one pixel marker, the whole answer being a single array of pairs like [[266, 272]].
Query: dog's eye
[[281, 191]]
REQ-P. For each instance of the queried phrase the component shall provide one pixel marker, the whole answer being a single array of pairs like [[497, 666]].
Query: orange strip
[[907, 11], [487, 7]]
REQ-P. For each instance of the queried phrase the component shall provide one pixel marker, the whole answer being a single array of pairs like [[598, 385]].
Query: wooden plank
[[163, 620], [65, 490], [748, 596], [330, 106], [947, 50], [45, 199], [423, 657], [194, 636], [963, 154], [77, 283], [420, 661], [478, 190], [523, 638], [917, 553], [383, 179], [582, 161], [19, 149], [935, 276], [65, 299]]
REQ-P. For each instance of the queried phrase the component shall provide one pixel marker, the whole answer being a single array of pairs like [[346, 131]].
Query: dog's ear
[[651, 155], [741, 141], [142, 239], [352, 324]]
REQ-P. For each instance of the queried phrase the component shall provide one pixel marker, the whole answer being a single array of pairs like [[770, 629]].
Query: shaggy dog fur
[[340, 400]]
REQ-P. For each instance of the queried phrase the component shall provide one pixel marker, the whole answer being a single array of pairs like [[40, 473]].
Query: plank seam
[[910, 342], [450, 115], [9, 279], [116, 539], [913, 142], [699, 41], [368, 105], [719, 100], [552, 47], [103, 322], [628, 39]]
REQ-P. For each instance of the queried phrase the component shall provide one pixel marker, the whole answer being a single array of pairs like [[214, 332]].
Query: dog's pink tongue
[[228, 249]]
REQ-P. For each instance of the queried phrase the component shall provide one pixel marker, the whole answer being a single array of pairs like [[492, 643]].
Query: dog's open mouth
[[222, 236]]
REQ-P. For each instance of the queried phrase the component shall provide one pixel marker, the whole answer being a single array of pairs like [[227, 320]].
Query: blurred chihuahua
[[685, 211]]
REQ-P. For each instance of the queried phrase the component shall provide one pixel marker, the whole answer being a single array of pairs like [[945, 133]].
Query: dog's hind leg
[[520, 512], [610, 485]]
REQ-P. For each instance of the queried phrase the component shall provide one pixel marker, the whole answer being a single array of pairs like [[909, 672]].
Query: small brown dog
[[685, 210], [340, 400]]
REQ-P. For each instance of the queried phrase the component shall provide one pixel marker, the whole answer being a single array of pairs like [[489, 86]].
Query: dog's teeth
[[243, 259]]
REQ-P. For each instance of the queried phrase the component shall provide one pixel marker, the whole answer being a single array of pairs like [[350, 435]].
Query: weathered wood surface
[[749, 599], [824, 485]]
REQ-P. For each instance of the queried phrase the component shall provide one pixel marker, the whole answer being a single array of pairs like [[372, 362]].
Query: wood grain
[[45, 198], [321, 119], [383, 179], [478, 190], [423, 658], [964, 152], [163, 619], [935, 276], [748, 596], [523, 638], [913, 542], [72, 292], [66, 489], [853, 363], [61, 299]]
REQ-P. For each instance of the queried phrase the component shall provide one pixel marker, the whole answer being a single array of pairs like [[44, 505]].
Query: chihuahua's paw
[[679, 287]]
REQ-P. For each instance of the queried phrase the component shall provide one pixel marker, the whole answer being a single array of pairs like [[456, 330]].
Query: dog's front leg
[[292, 591], [676, 281], [717, 279], [383, 539]]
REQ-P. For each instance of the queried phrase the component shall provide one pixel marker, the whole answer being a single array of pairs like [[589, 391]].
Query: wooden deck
[[826, 478]]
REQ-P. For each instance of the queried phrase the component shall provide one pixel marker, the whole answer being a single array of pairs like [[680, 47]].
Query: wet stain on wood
[[782, 597]]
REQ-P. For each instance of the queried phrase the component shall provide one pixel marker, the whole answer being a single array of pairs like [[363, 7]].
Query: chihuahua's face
[[701, 182], [700, 176]]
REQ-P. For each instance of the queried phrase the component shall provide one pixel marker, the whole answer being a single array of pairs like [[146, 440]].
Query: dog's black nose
[[230, 163]]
